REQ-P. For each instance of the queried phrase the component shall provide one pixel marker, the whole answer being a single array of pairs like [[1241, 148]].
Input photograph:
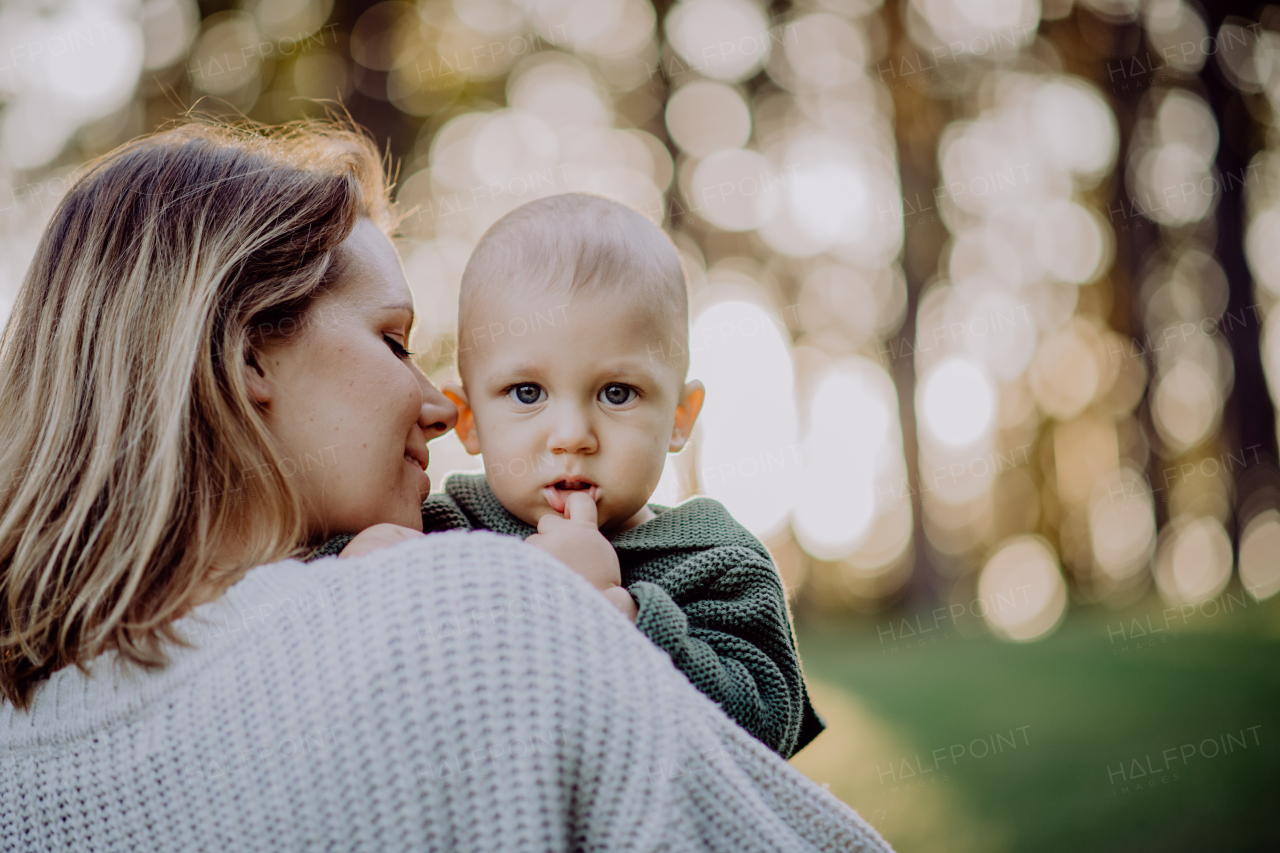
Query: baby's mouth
[[557, 494]]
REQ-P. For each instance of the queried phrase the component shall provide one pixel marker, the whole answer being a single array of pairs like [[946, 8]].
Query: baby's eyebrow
[[507, 372], [626, 369]]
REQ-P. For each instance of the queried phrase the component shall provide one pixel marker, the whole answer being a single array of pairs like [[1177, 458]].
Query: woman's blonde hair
[[130, 451]]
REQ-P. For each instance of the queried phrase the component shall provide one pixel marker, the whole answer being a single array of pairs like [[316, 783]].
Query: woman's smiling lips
[[419, 459]]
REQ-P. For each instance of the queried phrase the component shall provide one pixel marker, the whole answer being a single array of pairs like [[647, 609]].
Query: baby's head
[[572, 348]]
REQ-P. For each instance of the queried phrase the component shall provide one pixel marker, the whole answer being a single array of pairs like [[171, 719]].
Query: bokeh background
[[984, 297]]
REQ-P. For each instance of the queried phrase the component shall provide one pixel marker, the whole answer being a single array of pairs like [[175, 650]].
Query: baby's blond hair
[[587, 245]]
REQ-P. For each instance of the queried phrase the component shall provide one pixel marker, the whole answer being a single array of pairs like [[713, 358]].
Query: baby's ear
[[686, 414], [466, 426]]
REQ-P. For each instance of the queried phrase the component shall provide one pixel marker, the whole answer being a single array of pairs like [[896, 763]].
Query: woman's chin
[[410, 512], [403, 509]]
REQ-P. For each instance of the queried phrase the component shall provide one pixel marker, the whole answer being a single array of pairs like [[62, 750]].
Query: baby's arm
[[722, 616]]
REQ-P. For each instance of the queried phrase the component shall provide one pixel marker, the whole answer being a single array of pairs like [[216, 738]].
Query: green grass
[[1090, 707]]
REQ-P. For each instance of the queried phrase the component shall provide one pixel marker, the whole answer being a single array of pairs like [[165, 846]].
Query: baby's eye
[[617, 395], [526, 393]]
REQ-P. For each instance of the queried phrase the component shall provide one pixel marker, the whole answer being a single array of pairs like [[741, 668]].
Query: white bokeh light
[[1193, 560], [1262, 247], [957, 402], [1023, 590], [735, 189], [1075, 126], [748, 443], [1122, 524], [1260, 555], [852, 425], [706, 116], [721, 39], [830, 201]]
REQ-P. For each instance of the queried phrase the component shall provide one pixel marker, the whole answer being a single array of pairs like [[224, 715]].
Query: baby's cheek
[[644, 469]]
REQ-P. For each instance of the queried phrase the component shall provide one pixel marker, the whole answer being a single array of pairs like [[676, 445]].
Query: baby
[[574, 394]]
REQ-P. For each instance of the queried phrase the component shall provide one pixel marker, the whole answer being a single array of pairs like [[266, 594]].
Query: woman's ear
[[255, 379], [686, 414], [465, 429]]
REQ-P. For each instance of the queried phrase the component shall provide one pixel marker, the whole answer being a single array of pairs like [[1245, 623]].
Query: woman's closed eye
[[396, 348], [617, 394], [526, 393]]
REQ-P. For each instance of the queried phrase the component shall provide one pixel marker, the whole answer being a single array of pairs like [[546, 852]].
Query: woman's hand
[[378, 536]]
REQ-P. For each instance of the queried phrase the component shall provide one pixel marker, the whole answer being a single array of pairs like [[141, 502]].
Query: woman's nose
[[438, 414]]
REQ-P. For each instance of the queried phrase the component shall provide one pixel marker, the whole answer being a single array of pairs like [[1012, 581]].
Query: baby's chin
[[530, 511]]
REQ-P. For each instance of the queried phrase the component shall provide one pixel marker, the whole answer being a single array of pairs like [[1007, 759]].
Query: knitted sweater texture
[[458, 692], [707, 594]]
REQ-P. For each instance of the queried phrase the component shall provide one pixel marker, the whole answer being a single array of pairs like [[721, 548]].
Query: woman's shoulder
[[418, 581], [332, 624], [464, 675], [453, 546], [323, 637], [446, 552]]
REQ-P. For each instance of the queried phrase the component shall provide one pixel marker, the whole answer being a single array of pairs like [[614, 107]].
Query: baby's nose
[[572, 432]]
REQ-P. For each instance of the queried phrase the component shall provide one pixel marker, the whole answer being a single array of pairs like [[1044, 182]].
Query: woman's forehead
[[370, 269]]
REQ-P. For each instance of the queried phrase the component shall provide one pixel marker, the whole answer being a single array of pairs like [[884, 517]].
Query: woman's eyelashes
[[396, 348]]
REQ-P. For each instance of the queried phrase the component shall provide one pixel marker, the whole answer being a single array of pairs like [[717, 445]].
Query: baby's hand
[[378, 536], [576, 541]]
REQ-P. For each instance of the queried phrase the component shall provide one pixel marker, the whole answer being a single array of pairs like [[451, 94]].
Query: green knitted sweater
[[707, 592]]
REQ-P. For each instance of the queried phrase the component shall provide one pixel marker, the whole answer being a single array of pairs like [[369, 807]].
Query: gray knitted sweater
[[501, 704], [707, 594]]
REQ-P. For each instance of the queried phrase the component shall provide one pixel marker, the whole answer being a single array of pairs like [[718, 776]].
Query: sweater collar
[[481, 506], [696, 523]]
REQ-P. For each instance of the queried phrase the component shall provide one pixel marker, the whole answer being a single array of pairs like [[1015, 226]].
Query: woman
[[204, 375]]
